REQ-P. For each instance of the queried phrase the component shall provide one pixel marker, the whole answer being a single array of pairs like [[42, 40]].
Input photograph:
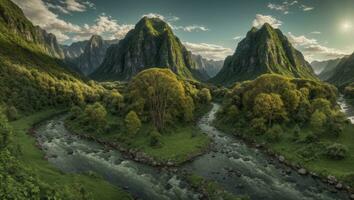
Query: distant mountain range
[[211, 67], [343, 73], [151, 43], [264, 50], [324, 68]]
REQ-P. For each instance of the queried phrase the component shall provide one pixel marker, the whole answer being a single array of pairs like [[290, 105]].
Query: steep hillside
[[150, 44], [264, 50]]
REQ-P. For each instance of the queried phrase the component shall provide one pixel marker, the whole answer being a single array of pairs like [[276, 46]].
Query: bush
[[296, 132], [11, 113], [336, 151], [204, 96], [132, 122], [95, 116], [258, 126], [155, 138], [273, 134]]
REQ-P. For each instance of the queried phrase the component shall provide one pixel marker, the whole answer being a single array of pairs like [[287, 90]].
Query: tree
[[336, 151], [291, 99], [318, 119], [204, 96], [269, 107], [95, 115], [161, 96], [5, 131], [258, 125], [11, 113], [132, 122], [273, 134], [155, 138]]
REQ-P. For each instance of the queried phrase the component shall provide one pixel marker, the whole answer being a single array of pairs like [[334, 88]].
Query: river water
[[233, 165]]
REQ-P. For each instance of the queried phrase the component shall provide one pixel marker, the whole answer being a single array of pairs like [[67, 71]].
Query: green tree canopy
[[158, 94]]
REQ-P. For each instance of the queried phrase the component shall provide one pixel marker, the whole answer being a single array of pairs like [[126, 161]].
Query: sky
[[320, 29]]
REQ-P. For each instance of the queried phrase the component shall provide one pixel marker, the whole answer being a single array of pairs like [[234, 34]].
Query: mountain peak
[[264, 50], [150, 44]]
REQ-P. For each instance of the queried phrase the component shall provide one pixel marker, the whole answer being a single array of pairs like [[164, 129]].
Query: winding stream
[[233, 165]]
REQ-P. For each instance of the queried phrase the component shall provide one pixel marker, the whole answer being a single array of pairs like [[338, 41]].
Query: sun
[[346, 26]]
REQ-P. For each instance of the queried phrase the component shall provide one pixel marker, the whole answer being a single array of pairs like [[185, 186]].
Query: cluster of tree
[[92, 117], [349, 91], [17, 181], [157, 95], [272, 101]]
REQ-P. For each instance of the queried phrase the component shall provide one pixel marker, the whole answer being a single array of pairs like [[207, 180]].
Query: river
[[238, 168]]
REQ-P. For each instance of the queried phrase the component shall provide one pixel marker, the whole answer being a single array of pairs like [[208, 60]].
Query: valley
[[162, 107]]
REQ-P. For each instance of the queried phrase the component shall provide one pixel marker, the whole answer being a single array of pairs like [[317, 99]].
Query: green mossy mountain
[[13, 19], [264, 50], [93, 55], [343, 74], [31, 77], [150, 44]]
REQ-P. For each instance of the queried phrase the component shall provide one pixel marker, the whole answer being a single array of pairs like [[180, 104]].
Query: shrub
[[336, 151], [273, 134], [155, 138], [132, 122], [204, 96], [11, 113], [95, 116], [258, 125], [296, 132], [317, 121]]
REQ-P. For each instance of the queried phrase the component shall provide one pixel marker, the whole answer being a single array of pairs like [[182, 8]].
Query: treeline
[[273, 106], [18, 182], [155, 97], [349, 91]]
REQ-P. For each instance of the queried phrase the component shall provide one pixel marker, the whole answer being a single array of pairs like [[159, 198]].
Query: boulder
[[302, 171]]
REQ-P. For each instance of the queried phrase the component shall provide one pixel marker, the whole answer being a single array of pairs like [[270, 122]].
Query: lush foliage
[[349, 91], [132, 122], [273, 99], [157, 95]]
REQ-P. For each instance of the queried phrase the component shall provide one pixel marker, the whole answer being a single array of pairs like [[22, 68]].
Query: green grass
[[32, 157], [179, 143], [178, 146], [210, 189], [311, 154]]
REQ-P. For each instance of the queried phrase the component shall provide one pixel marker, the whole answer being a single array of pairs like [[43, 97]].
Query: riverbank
[[180, 144], [306, 157], [33, 158]]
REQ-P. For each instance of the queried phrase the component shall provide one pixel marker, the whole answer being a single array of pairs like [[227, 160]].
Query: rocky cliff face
[[74, 50], [329, 68], [264, 50], [210, 67], [93, 55], [322, 68], [343, 73], [150, 44], [12, 17]]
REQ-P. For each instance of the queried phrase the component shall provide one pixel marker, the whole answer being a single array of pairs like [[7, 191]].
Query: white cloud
[[78, 5], [40, 15], [171, 19], [191, 28], [285, 6], [306, 8], [262, 19], [105, 26], [209, 51], [154, 15], [237, 38], [313, 50]]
